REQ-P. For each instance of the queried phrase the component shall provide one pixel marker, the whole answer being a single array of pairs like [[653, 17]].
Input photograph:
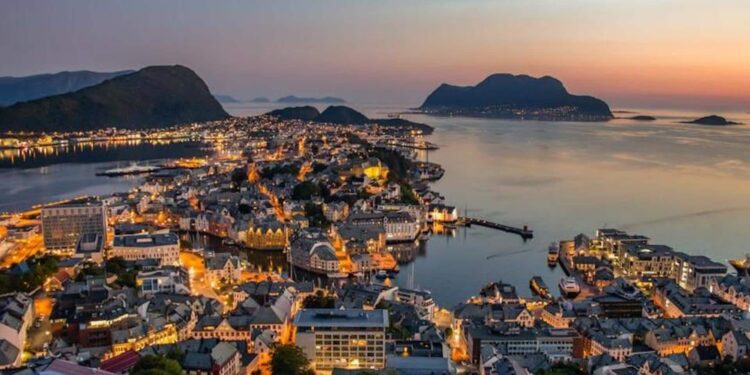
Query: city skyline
[[669, 54]]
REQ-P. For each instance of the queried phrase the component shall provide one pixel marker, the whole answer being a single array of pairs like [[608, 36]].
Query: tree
[[561, 369], [319, 301], [290, 360], [156, 365], [305, 190], [239, 175]]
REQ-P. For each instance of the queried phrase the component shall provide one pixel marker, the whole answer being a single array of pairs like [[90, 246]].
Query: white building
[[222, 268], [164, 280], [16, 314], [165, 247]]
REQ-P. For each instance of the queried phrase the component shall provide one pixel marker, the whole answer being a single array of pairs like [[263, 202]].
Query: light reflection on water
[[682, 185]]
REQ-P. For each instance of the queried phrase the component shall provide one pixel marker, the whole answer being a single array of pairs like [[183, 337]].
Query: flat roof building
[[63, 225], [332, 338]]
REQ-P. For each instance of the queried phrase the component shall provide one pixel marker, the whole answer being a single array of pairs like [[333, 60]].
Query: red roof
[[121, 363], [60, 366]]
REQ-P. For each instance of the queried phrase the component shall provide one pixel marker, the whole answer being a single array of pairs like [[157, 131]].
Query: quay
[[524, 232]]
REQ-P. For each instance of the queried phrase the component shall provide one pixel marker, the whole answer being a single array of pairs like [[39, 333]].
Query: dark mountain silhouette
[[712, 120], [21, 89], [155, 96], [515, 96], [296, 99], [306, 113], [344, 116], [339, 114]]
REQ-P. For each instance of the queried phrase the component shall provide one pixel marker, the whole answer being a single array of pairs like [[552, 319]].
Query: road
[[25, 249]]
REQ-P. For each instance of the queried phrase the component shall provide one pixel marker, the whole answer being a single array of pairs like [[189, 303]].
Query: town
[[115, 285]]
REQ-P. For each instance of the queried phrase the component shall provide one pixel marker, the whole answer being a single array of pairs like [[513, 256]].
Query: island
[[21, 89], [228, 99], [515, 97], [296, 99], [260, 99], [305, 113], [345, 115], [643, 118], [153, 97], [712, 120]]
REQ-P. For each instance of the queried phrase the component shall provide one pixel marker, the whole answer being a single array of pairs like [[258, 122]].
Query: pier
[[524, 232]]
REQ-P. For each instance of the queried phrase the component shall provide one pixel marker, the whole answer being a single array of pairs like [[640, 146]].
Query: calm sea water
[[686, 186], [53, 174]]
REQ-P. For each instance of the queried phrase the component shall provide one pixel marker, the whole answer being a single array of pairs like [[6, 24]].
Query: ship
[[553, 254], [129, 170], [538, 286], [569, 287], [742, 266]]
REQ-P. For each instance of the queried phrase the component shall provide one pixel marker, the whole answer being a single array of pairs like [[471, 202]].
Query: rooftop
[[355, 318]]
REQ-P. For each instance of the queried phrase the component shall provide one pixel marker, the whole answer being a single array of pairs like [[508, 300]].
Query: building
[[314, 253], [223, 268], [440, 213], [269, 235], [63, 225], [169, 279], [90, 247], [400, 226], [333, 338], [164, 247], [336, 211], [16, 314]]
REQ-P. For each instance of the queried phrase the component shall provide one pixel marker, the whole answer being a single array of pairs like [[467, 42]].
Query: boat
[[569, 287], [553, 253], [742, 266], [129, 170], [538, 286]]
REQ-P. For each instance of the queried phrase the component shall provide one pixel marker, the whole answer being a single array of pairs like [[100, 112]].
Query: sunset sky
[[635, 53]]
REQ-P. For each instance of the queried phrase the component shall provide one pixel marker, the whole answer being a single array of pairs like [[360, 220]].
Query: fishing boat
[[553, 254], [538, 286], [569, 287]]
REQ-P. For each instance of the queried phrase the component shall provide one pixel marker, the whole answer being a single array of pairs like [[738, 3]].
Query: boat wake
[[686, 216]]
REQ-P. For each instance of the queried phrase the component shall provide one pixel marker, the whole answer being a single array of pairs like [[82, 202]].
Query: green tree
[[156, 365], [319, 301], [305, 190], [290, 360]]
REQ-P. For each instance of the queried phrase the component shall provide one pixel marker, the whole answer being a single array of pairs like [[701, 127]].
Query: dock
[[524, 232]]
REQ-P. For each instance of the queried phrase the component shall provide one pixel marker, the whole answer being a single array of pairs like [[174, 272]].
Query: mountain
[[228, 99], [260, 99], [22, 89], [297, 99], [712, 120], [306, 113], [152, 97], [515, 96], [345, 116], [339, 114]]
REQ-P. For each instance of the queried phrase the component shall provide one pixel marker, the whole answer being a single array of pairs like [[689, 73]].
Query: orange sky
[[678, 53]]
